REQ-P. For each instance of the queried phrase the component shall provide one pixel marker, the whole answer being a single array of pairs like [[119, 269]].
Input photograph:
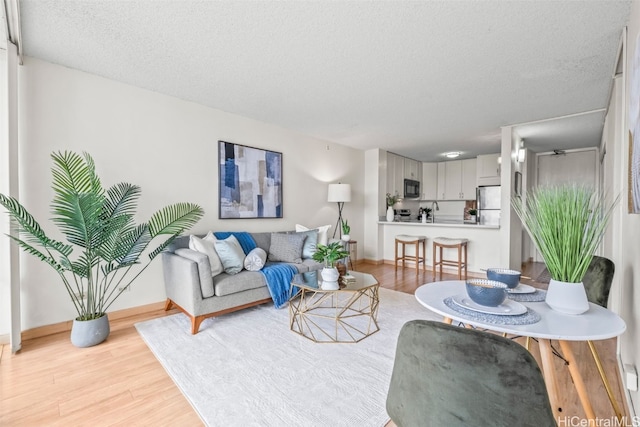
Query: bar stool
[[440, 243], [405, 239]]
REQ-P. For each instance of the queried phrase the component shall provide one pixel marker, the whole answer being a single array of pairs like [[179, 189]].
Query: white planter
[[567, 298], [346, 237], [390, 214], [330, 278]]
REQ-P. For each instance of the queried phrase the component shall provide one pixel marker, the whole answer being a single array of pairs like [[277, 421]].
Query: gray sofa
[[190, 287]]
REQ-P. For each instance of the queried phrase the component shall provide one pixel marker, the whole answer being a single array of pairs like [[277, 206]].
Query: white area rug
[[248, 369]]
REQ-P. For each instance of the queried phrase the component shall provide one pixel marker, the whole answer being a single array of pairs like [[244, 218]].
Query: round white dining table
[[597, 323]]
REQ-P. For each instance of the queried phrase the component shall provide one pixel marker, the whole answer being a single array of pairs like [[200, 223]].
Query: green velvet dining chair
[[597, 283], [445, 375]]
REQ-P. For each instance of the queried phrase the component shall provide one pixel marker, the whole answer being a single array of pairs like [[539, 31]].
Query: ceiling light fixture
[[452, 154]]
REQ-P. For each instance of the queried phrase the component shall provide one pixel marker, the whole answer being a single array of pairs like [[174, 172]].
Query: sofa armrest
[[204, 269], [182, 280]]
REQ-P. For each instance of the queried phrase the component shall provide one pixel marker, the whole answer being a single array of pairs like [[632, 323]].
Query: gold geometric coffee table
[[346, 315]]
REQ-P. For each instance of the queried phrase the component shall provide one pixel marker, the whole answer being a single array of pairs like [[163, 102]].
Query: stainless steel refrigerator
[[488, 202]]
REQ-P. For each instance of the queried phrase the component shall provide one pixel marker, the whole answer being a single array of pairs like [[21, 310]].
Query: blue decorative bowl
[[504, 275], [486, 292]]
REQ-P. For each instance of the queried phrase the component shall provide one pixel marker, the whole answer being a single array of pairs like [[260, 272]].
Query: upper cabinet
[[429, 185], [395, 175], [457, 180], [468, 187], [411, 169], [488, 170]]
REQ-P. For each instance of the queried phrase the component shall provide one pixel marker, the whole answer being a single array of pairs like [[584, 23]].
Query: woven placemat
[[538, 296], [522, 319]]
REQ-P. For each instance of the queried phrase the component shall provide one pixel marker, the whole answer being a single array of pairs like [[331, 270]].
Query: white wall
[[169, 148], [628, 264]]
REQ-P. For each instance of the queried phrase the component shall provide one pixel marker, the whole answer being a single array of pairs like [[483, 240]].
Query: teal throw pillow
[[231, 254]]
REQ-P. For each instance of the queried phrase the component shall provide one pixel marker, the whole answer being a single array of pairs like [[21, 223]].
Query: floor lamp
[[339, 193]]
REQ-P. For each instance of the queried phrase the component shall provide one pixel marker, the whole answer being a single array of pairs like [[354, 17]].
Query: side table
[[352, 248]]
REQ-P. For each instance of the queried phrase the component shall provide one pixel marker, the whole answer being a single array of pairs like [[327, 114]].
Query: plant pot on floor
[[87, 333], [567, 298]]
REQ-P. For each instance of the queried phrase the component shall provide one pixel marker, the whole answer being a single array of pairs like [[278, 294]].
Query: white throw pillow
[[254, 261], [323, 232], [207, 247]]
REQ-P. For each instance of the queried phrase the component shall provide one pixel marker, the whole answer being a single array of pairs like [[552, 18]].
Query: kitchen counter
[[483, 240], [440, 224]]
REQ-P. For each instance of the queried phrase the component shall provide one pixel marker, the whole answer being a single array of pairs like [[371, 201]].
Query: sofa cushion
[[204, 269], [263, 240], [312, 265], [206, 246], [323, 232], [231, 254], [254, 261], [286, 247], [226, 284], [310, 243]]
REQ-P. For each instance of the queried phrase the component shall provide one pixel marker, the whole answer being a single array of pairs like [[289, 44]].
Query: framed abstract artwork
[[250, 182]]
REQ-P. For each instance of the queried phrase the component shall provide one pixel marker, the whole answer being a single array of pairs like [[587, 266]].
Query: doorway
[[565, 167]]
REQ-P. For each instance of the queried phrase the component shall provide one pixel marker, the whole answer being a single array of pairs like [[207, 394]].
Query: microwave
[[411, 189]]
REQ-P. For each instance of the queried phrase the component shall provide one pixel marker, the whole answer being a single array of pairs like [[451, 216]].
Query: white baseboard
[[4, 339]]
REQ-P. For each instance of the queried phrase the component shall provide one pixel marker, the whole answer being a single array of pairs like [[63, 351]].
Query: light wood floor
[[119, 382]]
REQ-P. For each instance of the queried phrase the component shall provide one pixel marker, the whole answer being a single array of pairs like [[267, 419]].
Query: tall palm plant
[[100, 224]]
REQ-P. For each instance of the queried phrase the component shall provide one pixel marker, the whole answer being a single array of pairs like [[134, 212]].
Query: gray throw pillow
[[310, 243], [286, 247]]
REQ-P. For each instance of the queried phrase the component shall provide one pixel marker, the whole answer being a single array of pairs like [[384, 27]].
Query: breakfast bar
[[483, 240]]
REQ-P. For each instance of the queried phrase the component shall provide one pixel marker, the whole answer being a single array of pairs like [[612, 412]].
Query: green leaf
[[174, 219], [567, 224]]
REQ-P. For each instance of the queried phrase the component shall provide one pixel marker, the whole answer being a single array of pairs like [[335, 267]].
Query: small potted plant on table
[[346, 229], [329, 255]]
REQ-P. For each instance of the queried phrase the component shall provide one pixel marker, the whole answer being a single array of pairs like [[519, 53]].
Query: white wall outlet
[[79, 295], [124, 288], [630, 377]]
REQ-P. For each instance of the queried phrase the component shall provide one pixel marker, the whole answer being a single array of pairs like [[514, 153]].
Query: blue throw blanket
[[246, 241], [278, 277]]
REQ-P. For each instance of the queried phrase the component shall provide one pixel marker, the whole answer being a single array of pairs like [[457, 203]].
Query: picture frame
[[249, 182]]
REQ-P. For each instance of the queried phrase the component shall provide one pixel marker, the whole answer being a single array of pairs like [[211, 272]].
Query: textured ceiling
[[416, 78]]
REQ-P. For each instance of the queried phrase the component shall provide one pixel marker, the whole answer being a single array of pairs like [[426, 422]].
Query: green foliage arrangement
[[346, 228], [566, 223], [391, 200], [100, 224], [330, 254]]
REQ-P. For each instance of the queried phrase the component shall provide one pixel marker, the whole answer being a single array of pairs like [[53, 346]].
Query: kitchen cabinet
[[395, 175], [459, 180], [468, 186], [453, 180], [442, 177], [488, 169], [429, 184], [411, 169]]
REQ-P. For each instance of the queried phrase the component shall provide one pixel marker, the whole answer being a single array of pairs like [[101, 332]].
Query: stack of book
[[348, 279]]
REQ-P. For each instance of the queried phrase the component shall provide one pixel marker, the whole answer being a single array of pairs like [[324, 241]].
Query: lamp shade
[[339, 193]]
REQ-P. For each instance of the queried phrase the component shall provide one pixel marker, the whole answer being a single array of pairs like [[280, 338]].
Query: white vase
[[567, 298], [390, 214], [330, 278], [346, 237]]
